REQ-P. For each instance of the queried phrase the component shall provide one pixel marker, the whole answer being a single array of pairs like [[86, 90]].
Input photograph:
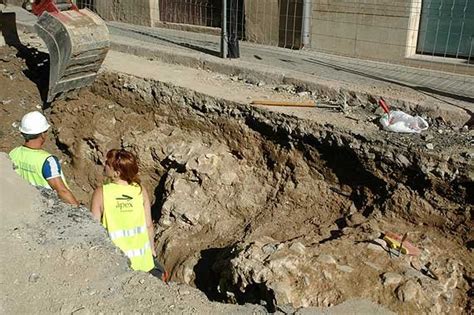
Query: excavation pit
[[253, 206], [258, 207]]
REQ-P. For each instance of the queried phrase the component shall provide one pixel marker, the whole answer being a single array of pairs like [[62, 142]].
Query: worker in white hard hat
[[35, 165]]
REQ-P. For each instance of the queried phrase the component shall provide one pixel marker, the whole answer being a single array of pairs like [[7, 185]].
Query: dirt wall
[[267, 201], [252, 206]]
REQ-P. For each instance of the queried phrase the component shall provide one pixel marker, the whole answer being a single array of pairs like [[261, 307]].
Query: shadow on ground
[[36, 61]]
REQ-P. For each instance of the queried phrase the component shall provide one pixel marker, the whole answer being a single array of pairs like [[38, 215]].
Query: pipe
[[306, 27], [224, 35]]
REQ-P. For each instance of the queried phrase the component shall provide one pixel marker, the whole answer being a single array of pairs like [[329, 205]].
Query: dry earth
[[56, 259], [251, 206]]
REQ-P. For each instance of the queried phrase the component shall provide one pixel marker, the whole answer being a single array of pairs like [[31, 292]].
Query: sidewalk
[[313, 63], [273, 65]]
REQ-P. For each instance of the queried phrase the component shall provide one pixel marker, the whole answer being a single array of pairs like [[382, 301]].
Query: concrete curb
[[326, 88], [189, 28]]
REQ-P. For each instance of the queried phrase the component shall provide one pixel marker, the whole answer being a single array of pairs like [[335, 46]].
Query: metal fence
[[195, 12], [206, 13], [90, 4], [435, 34]]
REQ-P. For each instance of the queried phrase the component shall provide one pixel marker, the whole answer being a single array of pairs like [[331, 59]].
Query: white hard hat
[[33, 123]]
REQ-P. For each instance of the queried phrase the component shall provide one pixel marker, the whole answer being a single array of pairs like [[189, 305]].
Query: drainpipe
[[224, 36], [306, 27]]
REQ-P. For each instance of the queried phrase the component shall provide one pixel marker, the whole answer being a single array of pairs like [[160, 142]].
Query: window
[[446, 28]]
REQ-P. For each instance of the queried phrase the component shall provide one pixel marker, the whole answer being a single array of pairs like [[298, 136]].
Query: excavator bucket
[[78, 41]]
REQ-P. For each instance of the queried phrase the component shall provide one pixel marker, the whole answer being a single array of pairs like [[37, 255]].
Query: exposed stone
[[228, 178], [407, 291], [427, 137], [347, 230], [33, 277], [375, 247], [412, 273], [269, 249], [345, 268], [299, 248], [326, 259], [356, 219], [251, 80], [327, 275], [402, 160], [285, 88], [374, 266], [352, 208], [286, 309], [390, 278]]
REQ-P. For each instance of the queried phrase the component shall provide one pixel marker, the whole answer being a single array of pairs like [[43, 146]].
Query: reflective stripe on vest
[[126, 233], [124, 219], [137, 252]]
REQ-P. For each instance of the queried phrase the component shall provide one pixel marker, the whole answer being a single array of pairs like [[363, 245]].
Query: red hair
[[125, 163]]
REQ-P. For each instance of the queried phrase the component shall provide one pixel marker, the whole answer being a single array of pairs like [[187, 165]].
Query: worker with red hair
[[123, 206]]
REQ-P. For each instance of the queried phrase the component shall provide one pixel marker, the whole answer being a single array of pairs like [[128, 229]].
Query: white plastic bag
[[398, 121]]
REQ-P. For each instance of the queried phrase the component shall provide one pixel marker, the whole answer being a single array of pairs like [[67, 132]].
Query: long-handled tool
[[284, 103], [384, 106], [401, 244]]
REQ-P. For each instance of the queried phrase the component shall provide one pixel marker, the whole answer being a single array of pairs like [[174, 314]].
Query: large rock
[[391, 278], [408, 291], [286, 272]]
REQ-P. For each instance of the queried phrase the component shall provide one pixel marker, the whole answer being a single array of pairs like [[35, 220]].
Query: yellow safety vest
[[28, 163], [124, 219]]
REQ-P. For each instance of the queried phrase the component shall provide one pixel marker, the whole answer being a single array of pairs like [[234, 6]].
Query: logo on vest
[[124, 203]]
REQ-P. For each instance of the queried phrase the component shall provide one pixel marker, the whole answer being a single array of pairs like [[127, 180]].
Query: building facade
[[438, 33], [430, 33]]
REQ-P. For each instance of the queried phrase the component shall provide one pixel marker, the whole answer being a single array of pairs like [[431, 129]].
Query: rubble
[[257, 207], [391, 278], [408, 291], [220, 189]]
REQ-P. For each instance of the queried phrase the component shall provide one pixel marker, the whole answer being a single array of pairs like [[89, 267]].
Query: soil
[[251, 206], [56, 259]]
